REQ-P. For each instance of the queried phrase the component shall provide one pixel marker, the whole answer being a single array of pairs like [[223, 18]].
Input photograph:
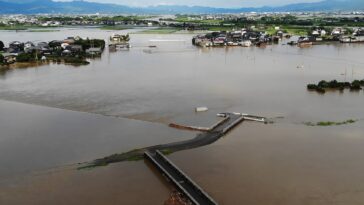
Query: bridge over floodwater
[[175, 175]]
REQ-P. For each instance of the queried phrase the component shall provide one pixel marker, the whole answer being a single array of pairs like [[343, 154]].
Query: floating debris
[[201, 109], [177, 198], [221, 115]]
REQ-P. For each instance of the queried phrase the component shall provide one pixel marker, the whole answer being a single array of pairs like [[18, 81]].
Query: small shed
[[9, 57], [94, 51]]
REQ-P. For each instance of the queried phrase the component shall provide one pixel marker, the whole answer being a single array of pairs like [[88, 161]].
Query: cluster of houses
[[22, 19], [244, 37], [72, 20], [316, 35], [13, 20], [337, 34], [41, 51], [356, 37]]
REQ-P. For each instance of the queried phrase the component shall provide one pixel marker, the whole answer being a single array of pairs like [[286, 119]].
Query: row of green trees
[[26, 57], [69, 19], [1, 59], [2, 46], [287, 21], [293, 20], [87, 43], [335, 85], [1, 56]]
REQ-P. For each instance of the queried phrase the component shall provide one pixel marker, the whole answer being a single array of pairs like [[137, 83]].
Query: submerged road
[[202, 139]]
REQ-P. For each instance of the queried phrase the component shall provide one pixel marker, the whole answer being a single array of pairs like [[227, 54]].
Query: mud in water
[[176, 198]]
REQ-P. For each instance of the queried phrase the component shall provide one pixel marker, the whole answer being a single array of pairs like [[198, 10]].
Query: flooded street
[[54, 116]]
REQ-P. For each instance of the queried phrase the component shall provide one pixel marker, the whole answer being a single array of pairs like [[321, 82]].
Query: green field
[[42, 30], [116, 28], [22, 27], [293, 30], [205, 21], [160, 31], [219, 28]]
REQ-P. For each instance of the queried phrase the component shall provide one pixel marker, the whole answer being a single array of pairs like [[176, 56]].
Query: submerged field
[[160, 31]]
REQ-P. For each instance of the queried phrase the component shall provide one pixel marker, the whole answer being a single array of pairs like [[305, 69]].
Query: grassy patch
[[76, 61], [292, 30], [330, 123], [116, 28], [135, 158], [295, 31], [13, 28], [133, 155], [166, 151], [205, 21], [219, 28], [43, 30], [160, 31], [271, 30], [22, 27]]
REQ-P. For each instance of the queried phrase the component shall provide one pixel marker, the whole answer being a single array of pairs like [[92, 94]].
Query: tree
[[1, 59], [87, 43], [54, 44], [25, 57], [355, 85], [1, 46]]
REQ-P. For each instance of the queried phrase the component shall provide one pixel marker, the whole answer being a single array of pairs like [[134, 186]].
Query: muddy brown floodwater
[[53, 117]]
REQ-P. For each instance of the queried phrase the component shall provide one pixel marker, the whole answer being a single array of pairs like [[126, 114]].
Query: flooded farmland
[[54, 116]]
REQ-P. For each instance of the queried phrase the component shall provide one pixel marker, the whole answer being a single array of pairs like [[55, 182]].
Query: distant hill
[[327, 5], [48, 6]]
